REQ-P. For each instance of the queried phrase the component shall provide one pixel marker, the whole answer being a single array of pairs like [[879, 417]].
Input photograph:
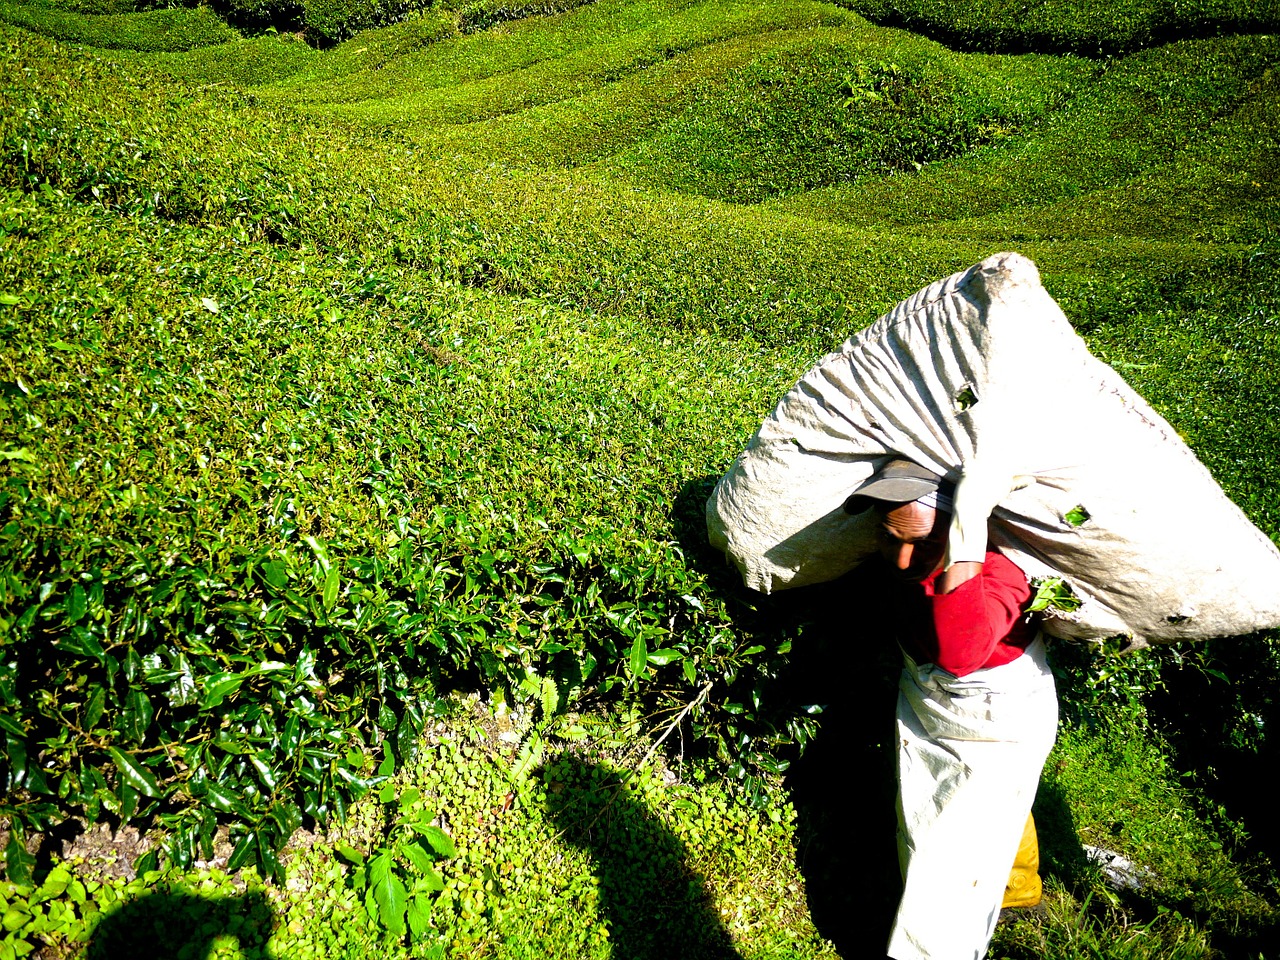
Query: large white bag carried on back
[[980, 378]]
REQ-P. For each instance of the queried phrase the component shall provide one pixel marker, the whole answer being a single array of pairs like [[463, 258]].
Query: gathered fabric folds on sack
[[980, 378]]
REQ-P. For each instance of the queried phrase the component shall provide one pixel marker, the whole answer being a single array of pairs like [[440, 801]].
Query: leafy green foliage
[[570, 858], [247, 670], [334, 21], [475, 15], [257, 14], [1052, 593]]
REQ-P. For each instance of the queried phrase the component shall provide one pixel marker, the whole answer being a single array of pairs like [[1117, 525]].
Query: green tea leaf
[[276, 573], [94, 708], [1077, 516], [76, 604], [128, 802], [639, 657], [135, 774], [147, 862], [287, 817], [82, 642], [18, 863], [243, 850], [331, 584], [267, 858], [1053, 593], [137, 715], [218, 686]]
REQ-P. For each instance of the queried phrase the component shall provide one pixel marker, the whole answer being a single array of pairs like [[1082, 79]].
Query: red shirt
[[979, 624]]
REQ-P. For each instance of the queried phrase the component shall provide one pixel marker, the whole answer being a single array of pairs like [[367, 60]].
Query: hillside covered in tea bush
[[358, 359]]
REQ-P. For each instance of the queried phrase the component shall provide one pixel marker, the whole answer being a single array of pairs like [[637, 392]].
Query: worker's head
[[913, 506]]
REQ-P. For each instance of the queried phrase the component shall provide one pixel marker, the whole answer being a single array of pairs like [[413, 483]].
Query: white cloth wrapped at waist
[[970, 752]]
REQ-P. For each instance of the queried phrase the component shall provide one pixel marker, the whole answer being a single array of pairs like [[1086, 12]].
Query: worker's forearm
[[957, 574]]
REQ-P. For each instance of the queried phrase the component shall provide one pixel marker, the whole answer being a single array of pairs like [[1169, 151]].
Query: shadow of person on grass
[[843, 785], [184, 926], [657, 907]]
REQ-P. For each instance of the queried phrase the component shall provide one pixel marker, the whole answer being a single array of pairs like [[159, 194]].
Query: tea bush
[[333, 21], [93, 6], [815, 114], [529, 601], [255, 15], [1075, 26], [476, 15], [180, 28], [218, 597]]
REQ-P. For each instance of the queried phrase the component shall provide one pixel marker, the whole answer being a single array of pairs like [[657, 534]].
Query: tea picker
[[967, 381]]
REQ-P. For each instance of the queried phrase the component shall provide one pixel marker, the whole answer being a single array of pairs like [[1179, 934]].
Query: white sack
[[980, 378]]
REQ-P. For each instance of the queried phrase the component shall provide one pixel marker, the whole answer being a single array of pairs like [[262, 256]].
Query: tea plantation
[[365, 367]]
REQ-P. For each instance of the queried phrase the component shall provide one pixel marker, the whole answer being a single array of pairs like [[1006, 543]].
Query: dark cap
[[898, 481]]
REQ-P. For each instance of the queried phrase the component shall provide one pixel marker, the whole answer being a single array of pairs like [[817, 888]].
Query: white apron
[[970, 752]]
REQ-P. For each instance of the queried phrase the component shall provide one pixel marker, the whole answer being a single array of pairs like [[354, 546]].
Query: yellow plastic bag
[[1023, 888]]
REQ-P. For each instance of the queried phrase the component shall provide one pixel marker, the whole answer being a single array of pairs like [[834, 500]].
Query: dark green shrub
[[283, 14], [91, 6]]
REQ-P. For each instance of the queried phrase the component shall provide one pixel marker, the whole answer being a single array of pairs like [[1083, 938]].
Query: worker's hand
[[957, 574]]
